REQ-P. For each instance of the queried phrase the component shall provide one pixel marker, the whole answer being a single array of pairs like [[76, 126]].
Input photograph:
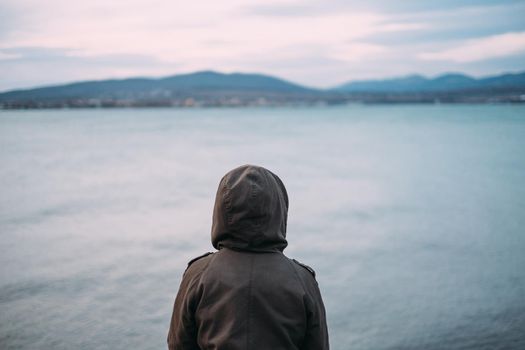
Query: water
[[412, 216]]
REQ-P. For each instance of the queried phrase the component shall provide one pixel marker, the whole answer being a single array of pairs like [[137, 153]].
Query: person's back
[[248, 295]]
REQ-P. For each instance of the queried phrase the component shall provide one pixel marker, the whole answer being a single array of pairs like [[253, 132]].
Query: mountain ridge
[[201, 80], [443, 82], [211, 88]]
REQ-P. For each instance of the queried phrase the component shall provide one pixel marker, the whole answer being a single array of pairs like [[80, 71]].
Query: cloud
[[312, 42], [461, 24], [317, 7], [24, 67], [480, 49], [357, 51], [4, 56]]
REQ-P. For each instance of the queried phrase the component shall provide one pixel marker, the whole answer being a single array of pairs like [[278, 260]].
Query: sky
[[317, 43]]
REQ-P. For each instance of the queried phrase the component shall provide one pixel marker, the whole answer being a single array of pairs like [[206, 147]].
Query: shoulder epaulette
[[197, 258], [305, 266]]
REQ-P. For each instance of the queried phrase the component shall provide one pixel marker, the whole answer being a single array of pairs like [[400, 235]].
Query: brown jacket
[[248, 295]]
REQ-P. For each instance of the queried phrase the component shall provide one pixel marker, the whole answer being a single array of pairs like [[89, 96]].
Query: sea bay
[[411, 215]]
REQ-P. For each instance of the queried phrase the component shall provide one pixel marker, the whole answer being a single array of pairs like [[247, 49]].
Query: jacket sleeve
[[317, 331], [182, 334]]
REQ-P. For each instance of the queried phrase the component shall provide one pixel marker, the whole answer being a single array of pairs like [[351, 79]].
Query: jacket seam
[[201, 277], [296, 274], [248, 323], [299, 279], [205, 269]]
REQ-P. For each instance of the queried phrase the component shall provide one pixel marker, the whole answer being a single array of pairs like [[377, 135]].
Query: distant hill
[[204, 82], [208, 88], [447, 82]]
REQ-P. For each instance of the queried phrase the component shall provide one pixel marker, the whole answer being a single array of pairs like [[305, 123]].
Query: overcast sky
[[318, 43]]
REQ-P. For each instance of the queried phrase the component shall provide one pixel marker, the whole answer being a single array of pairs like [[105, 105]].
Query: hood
[[251, 209]]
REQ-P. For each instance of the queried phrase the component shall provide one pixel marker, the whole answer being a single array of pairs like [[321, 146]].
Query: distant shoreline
[[234, 102], [213, 89]]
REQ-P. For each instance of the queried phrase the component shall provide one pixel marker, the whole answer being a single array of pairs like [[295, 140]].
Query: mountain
[[208, 88], [204, 82], [443, 83]]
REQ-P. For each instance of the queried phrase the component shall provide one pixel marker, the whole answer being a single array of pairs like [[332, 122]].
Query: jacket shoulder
[[198, 258], [304, 266]]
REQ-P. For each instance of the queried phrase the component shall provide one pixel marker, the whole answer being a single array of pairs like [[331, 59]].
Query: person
[[248, 295]]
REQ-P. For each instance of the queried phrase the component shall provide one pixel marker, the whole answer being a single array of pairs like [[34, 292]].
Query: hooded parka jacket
[[248, 295]]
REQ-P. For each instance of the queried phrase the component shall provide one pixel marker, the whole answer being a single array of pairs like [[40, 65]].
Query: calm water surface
[[412, 216]]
